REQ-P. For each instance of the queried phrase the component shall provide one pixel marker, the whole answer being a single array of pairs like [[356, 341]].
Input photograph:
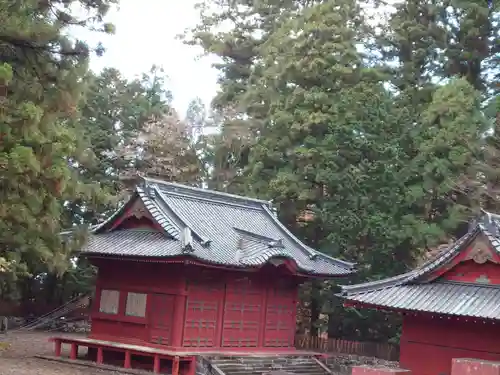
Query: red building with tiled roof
[[450, 304], [183, 270]]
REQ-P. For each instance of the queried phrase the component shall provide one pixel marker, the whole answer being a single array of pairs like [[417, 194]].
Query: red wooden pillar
[[100, 355], [96, 303], [175, 366], [294, 313], [128, 360], [74, 351], [156, 364], [178, 320], [192, 366], [263, 312], [58, 346], [220, 318]]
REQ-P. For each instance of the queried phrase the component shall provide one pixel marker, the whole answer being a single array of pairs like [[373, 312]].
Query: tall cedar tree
[[40, 85], [330, 144], [489, 166], [235, 31], [432, 42], [112, 111]]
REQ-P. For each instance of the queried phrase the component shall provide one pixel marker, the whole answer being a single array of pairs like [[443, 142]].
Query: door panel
[[161, 318], [202, 312], [280, 317], [242, 314]]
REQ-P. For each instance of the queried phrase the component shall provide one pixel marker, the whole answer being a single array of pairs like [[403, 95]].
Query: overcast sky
[[146, 33]]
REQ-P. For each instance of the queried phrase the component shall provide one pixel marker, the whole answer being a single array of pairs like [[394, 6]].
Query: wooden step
[[296, 365]]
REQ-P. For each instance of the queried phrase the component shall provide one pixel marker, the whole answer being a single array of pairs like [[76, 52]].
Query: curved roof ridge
[[306, 249], [309, 252], [182, 220], [340, 262], [415, 274], [201, 193], [113, 216], [156, 212]]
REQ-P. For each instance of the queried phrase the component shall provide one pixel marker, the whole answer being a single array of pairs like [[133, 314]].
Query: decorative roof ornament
[[490, 222], [241, 243], [238, 255], [272, 207], [481, 253], [205, 242], [187, 240], [150, 190], [277, 243]]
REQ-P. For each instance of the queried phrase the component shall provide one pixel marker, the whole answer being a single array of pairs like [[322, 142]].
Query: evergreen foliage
[[40, 148], [376, 137], [369, 133]]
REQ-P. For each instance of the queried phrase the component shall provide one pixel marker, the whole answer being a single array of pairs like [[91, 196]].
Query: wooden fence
[[331, 345]]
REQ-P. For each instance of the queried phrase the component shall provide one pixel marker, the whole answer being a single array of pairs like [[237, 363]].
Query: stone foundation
[[467, 366], [344, 364]]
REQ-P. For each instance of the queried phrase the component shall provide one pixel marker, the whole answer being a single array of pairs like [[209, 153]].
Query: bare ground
[[19, 357]]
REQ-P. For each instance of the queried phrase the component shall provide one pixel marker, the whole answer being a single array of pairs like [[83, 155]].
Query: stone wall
[[459, 366], [343, 364], [203, 367], [81, 326]]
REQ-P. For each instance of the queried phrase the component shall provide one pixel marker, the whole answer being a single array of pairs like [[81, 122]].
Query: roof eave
[[417, 274], [190, 256], [311, 253], [325, 276], [339, 262], [349, 290], [120, 211]]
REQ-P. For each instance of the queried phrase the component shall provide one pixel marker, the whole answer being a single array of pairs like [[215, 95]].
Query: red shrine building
[[450, 305], [183, 271]]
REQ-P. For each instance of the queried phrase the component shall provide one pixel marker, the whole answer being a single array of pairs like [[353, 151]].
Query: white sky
[[146, 33]]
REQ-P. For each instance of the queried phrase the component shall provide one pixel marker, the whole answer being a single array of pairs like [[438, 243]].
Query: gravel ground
[[18, 358]]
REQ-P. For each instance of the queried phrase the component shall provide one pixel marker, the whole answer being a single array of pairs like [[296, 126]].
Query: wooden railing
[[331, 345]]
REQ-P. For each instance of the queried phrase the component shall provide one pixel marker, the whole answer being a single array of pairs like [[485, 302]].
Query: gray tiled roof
[[439, 297], [134, 242], [417, 291], [225, 229]]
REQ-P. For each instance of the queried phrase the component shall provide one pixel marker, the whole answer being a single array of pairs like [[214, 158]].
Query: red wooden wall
[[193, 307], [127, 277], [429, 344], [470, 271]]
